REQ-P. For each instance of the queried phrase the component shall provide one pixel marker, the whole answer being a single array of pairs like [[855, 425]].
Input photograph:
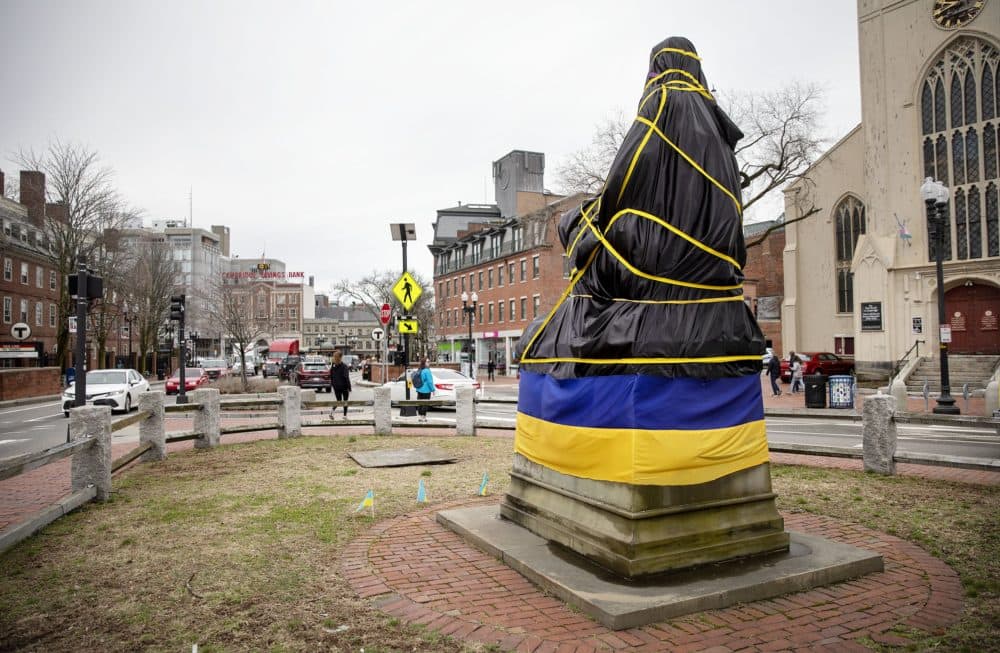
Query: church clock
[[956, 13]]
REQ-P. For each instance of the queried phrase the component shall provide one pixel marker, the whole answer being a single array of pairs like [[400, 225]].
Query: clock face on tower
[[956, 13]]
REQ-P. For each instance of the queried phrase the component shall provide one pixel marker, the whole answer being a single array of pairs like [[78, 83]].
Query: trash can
[[815, 391], [842, 391]]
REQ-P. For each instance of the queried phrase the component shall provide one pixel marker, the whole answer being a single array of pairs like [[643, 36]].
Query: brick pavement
[[421, 573]]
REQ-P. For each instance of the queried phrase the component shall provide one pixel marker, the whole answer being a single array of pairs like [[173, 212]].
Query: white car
[[445, 382], [119, 389]]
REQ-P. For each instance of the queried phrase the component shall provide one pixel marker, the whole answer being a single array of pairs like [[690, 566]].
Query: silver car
[[119, 389], [445, 382]]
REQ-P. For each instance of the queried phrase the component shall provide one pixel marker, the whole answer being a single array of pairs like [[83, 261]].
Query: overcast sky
[[308, 127]]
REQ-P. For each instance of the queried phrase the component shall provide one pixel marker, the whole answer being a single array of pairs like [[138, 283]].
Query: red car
[[312, 374], [818, 362], [193, 378]]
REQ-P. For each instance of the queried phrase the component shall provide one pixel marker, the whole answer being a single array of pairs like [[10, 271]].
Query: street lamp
[[127, 316], [935, 196], [471, 312], [403, 232]]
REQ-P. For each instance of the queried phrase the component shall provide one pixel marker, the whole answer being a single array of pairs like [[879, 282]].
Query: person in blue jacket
[[425, 389]]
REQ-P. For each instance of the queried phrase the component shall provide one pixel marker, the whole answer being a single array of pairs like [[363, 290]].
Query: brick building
[[765, 279], [29, 283], [508, 254]]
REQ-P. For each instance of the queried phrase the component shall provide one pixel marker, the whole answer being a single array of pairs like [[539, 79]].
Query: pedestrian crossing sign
[[407, 291], [408, 326]]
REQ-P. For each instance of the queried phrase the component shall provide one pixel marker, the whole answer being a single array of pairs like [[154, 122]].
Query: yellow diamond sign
[[407, 291]]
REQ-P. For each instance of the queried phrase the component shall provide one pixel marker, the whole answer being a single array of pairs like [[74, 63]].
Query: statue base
[[642, 530]]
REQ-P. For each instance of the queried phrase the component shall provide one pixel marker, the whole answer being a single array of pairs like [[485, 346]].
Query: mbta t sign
[[386, 314]]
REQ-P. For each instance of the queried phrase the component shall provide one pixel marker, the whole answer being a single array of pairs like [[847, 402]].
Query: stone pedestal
[[641, 530]]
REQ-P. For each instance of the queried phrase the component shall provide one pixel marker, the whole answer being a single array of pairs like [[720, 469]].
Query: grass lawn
[[237, 548]]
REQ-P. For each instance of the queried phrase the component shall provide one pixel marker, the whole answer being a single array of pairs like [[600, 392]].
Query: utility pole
[[80, 398], [177, 314]]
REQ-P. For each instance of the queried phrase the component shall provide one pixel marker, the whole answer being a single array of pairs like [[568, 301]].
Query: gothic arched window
[[961, 149], [849, 221]]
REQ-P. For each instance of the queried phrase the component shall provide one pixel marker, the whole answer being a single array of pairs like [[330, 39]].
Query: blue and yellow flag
[[367, 502], [421, 493], [482, 486]]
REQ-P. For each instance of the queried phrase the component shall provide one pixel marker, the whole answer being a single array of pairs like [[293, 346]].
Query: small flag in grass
[[421, 492], [482, 486], [367, 502]]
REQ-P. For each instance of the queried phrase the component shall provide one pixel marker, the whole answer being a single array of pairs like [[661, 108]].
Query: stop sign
[[386, 313]]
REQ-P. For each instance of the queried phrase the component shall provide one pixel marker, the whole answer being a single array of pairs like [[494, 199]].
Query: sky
[[308, 127]]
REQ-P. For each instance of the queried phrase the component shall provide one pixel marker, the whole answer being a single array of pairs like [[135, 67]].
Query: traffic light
[[177, 307]]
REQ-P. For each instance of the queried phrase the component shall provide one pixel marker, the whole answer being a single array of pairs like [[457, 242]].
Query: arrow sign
[[408, 326]]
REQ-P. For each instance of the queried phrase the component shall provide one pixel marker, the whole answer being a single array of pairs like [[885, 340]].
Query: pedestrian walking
[[425, 389], [340, 381], [774, 372], [490, 369], [797, 381]]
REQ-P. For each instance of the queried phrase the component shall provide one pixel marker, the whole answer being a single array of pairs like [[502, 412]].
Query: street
[[40, 426]]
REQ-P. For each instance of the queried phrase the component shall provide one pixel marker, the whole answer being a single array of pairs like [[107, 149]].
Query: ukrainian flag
[[642, 429], [367, 502]]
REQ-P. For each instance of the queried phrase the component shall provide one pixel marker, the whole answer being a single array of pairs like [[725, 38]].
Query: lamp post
[[935, 196], [127, 316], [404, 231], [470, 311]]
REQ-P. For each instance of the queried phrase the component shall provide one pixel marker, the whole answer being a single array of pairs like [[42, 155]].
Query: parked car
[[271, 368], [287, 366], [214, 367], [312, 373], [818, 362], [193, 378], [119, 389], [237, 369], [445, 382]]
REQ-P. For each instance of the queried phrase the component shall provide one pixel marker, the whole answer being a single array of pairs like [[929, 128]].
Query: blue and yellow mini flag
[[421, 492], [482, 486], [367, 502]]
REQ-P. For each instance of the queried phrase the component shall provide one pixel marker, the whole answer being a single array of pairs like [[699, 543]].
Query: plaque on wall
[[871, 316], [958, 321], [988, 322], [918, 325], [769, 308]]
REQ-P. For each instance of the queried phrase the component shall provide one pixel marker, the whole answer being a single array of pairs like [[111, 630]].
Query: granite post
[[879, 434], [152, 428], [289, 412], [383, 410], [91, 465], [465, 410], [206, 418]]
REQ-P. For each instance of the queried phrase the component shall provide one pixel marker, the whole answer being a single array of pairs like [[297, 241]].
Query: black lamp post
[[127, 316], [935, 196], [470, 311]]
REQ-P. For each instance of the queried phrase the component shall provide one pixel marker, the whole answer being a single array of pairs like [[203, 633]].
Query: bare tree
[[90, 207], [375, 289], [231, 310], [151, 280], [781, 140]]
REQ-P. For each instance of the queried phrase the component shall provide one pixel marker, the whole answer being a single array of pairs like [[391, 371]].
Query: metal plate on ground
[[402, 457]]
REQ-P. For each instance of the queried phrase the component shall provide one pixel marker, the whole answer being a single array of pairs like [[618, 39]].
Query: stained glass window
[[958, 157], [849, 224], [989, 94], [971, 155], [927, 107], [975, 224], [929, 158], [970, 98], [956, 102], [939, 104], [989, 152], [961, 228], [992, 221]]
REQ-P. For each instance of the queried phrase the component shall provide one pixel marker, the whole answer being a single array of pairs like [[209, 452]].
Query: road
[[37, 427]]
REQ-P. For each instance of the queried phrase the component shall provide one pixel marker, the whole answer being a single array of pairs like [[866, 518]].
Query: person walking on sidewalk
[[797, 381], [340, 380], [774, 371], [490, 369], [425, 389]]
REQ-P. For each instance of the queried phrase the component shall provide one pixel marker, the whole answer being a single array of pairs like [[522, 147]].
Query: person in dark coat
[[774, 371], [340, 379]]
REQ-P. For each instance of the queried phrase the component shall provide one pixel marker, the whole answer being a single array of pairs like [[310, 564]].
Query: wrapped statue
[[646, 370]]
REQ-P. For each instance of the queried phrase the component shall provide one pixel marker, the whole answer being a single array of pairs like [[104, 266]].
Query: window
[[489, 312], [447, 288], [8, 310], [39, 276], [850, 224], [500, 276], [8, 269], [959, 120], [24, 311], [292, 312], [535, 301], [524, 308], [52, 280], [489, 278], [516, 239], [843, 345], [500, 311], [513, 315], [496, 242], [480, 313], [52, 315], [463, 284], [39, 309], [510, 273], [524, 269], [24, 273], [535, 272], [480, 279]]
